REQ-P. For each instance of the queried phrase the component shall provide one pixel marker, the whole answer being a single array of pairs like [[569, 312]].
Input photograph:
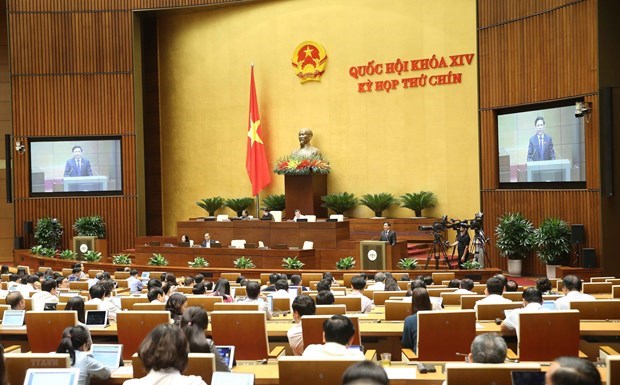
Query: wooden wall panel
[[491, 12]]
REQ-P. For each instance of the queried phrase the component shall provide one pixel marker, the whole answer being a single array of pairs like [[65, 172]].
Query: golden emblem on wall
[[309, 59]]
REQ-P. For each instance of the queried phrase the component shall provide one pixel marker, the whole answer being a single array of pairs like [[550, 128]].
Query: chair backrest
[[452, 299], [232, 277], [308, 245], [44, 328], [492, 311], [602, 309], [443, 334], [66, 272], [397, 310], [239, 306], [615, 291], [264, 278], [469, 301], [339, 291], [2, 309], [78, 285], [312, 329], [16, 364], [121, 283], [338, 217], [204, 301], [596, 287], [330, 309], [346, 279], [307, 277], [458, 373], [551, 297], [128, 301], [436, 292], [238, 243], [310, 218], [118, 275], [304, 371], [513, 295], [277, 216], [352, 303], [560, 330], [222, 218], [246, 330], [281, 304], [240, 292], [613, 369], [379, 297], [149, 306], [439, 277], [93, 272], [601, 279], [404, 285], [613, 281], [184, 289], [134, 326], [198, 364], [479, 288]]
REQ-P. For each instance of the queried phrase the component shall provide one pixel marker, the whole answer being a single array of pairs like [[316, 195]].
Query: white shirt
[[106, 305], [331, 350], [377, 286], [463, 291], [563, 303], [40, 298], [262, 305], [512, 321], [168, 376], [492, 298], [366, 302], [295, 339], [89, 366]]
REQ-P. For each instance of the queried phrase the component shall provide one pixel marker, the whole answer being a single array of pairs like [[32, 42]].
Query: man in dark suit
[[78, 166], [208, 241], [541, 144], [387, 234]]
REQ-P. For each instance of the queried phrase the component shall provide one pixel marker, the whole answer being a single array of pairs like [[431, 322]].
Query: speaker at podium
[[373, 255]]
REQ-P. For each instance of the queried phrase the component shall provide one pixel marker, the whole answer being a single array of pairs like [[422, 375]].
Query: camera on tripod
[[436, 226], [476, 223]]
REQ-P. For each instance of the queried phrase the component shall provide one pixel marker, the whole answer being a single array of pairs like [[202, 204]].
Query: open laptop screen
[[108, 354], [96, 318], [225, 378], [527, 377], [228, 354], [67, 376], [13, 318]]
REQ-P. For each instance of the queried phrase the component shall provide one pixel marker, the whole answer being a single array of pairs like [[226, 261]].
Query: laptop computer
[[250, 245], [548, 305], [49, 306], [96, 319], [527, 377], [72, 278], [109, 354], [227, 352], [302, 220], [13, 319], [145, 274], [65, 376], [66, 295], [270, 303], [226, 378]]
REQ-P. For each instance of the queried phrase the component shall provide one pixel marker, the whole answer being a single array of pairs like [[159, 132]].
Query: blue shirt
[[410, 333]]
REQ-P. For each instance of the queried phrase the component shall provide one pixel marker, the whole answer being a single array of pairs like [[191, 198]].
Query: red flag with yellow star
[[256, 160]]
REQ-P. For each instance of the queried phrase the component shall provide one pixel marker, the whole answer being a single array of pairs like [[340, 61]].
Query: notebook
[[96, 319], [13, 319], [226, 378], [66, 376], [108, 354], [527, 377], [227, 352]]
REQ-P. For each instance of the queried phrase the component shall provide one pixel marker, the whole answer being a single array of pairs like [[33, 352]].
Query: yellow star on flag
[[253, 132]]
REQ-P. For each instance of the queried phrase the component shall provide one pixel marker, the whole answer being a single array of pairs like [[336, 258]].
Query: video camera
[[436, 226], [476, 223]]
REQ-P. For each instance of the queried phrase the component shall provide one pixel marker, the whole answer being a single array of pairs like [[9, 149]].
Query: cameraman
[[462, 243]]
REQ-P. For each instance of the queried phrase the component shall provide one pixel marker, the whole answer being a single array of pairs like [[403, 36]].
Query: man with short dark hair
[[156, 295], [48, 294], [302, 305], [296, 281], [358, 284], [338, 332], [572, 292], [16, 300], [135, 285], [324, 284], [325, 298], [97, 295], [572, 371], [281, 286], [273, 278], [493, 292], [465, 287], [252, 292], [532, 302]]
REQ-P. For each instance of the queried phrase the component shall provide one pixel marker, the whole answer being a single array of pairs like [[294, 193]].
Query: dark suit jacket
[[71, 168], [389, 237], [533, 149], [204, 243]]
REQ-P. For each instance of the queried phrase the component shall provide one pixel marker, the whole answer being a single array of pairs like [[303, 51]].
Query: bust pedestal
[[304, 192]]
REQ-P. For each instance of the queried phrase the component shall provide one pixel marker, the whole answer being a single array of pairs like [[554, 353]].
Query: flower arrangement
[[297, 165]]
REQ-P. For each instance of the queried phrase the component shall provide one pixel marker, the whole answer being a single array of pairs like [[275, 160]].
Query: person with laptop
[[358, 284], [298, 215], [135, 285], [281, 286], [194, 323], [48, 294], [16, 300], [164, 353], [338, 333], [572, 292], [532, 302], [252, 291], [571, 371], [97, 294], [76, 342], [302, 305]]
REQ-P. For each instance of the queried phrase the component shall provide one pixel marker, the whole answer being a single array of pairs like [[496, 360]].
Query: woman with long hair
[[77, 303], [77, 342], [419, 301], [194, 323], [176, 306], [222, 287]]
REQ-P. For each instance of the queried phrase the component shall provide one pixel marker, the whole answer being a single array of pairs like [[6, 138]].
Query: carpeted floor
[[524, 281]]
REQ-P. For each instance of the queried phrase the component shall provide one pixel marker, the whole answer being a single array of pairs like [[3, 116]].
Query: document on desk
[[406, 373]]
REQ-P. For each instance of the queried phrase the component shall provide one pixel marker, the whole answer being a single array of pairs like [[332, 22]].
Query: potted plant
[[339, 202], [67, 254], [92, 256], [418, 201], [345, 263], [211, 205], [378, 202], [275, 202], [238, 204], [157, 260], [514, 239], [198, 262], [243, 263], [121, 259], [43, 251], [552, 243], [292, 263], [471, 264], [48, 232], [90, 226], [407, 264]]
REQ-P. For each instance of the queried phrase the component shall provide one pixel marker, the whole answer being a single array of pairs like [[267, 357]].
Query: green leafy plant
[[275, 202], [552, 240], [408, 264], [90, 226], [243, 263], [43, 251], [121, 259], [48, 232], [345, 263], [292, 263], [67, 254], [418, 201], [198, 262], [339, 202], [92, 256], [514, 234], [238, 204], [211, 205], [157, 260], [471, 264], [378, 202]]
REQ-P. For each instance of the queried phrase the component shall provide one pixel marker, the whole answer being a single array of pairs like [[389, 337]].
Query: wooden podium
[[304, 192], [373, 255]]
